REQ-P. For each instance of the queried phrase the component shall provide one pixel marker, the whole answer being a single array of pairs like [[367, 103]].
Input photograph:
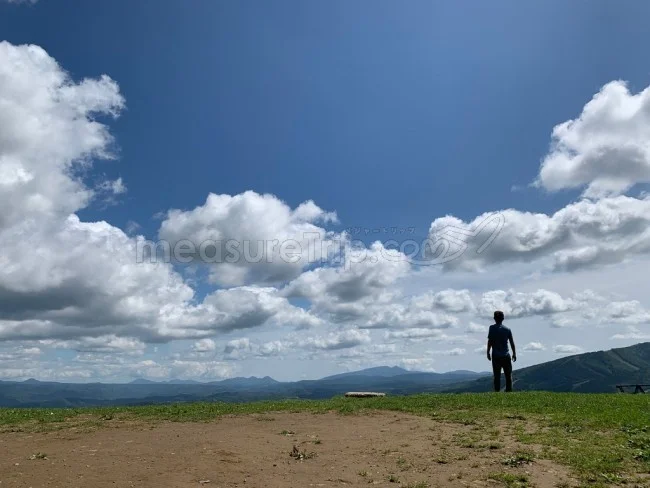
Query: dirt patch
[[276, 450]]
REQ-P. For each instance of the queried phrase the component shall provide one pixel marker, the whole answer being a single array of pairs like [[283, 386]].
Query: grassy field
[[603, 438]]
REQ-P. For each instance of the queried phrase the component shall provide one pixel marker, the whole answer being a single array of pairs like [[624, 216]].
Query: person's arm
[[512, 344], [489, 345]]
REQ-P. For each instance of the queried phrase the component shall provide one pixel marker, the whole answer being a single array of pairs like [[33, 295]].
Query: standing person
[[498, 339]]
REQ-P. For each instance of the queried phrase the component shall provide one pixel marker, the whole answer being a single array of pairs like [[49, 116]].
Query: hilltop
[[518, 440]]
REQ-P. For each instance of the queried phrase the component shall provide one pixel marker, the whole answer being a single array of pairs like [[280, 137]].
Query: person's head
[[498, 316]]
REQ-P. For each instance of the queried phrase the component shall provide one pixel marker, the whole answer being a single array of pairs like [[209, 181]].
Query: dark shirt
[[498, 336]]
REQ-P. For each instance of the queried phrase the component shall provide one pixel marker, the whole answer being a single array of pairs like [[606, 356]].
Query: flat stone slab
[[364, 394]]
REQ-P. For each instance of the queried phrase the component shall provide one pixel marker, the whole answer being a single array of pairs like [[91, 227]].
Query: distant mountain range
[[590, 372], [392, 380]]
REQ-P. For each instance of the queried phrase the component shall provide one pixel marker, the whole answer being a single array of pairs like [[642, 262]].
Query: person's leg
[[507, 369], [496, 371]]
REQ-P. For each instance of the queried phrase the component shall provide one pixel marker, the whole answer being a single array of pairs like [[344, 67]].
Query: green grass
[[403, 464], [519, 458], [602, 437]]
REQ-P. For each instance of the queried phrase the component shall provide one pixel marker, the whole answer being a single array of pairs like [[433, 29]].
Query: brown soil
[[256, 451]]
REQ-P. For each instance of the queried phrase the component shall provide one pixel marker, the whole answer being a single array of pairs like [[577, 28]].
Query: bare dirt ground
[[381, 449]]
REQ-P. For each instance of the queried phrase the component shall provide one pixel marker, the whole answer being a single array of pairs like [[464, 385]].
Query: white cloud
[[241, 344], [567, 349], [112, 187], [246, 307], [59, 276], [204, 345], [200, 369], [590, 309], [633, 333], [346, 339], [578, 309], [336, 340], [251, 237], [457, 351], [417, 364], [347, 291], [534, 346], [397, 315], [582, 234], [48, 134], [20, 354], [446, 300], [474, 328], [243, 347], [67, 279], [132, 227], [606, 148], [415, 333], [101, 344], [514, 304]]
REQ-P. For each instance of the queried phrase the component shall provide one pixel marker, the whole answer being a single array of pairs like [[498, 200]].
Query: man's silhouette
[[498, 339]]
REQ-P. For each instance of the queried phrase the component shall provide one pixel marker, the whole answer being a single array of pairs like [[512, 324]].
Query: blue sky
[[389, 114]]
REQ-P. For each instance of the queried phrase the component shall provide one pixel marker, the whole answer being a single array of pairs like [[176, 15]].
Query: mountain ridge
[[591, 372]]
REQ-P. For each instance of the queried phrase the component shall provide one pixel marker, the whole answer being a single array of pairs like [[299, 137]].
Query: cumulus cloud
[[575, 310], [345, 339], [398, 315], [62, 278], [474, 328], [448, 300], [101, 344], [21, 353], [414, 333], [243, 347], [417, 364], [249, 306], [516, 304], [534, 346], [346, 291], [336, 340], [590, 309], [567, 349], [250, 237], [49, 134], [605, 149], [204, 345], [108, 191], [582, 234], [199, 369], [633, 333], [457, 351]]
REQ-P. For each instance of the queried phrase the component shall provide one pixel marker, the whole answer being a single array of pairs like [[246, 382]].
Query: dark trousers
[[505, 364]]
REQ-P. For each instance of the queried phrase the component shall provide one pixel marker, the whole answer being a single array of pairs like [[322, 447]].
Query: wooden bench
[[364, 394], [637, 388]]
